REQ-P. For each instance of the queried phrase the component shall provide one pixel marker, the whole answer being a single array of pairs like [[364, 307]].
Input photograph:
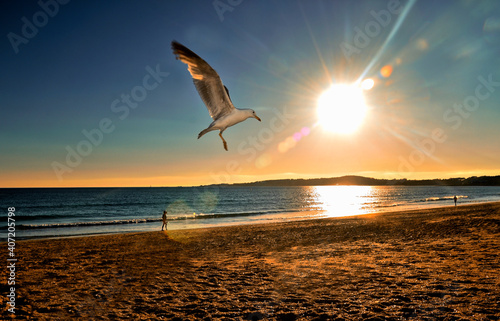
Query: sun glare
[[341, 108], [367, 84]]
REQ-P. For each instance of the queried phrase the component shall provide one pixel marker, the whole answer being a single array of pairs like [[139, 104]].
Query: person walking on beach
[[165, 222], [455, 199]]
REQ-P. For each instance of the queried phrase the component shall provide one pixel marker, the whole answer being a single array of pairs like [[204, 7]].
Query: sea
[[64, 212]]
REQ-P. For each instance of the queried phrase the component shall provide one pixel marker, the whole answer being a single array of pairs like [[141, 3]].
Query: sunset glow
[[386, 89]]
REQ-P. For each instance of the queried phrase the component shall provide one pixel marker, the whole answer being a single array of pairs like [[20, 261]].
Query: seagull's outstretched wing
[[208, 83]]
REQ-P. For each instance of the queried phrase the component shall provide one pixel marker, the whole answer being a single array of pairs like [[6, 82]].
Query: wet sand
[[437, 264]]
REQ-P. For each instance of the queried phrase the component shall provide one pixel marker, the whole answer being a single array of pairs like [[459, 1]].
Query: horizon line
[[272, 180]]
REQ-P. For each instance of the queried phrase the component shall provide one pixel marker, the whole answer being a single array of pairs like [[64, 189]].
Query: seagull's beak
[[257, 117]]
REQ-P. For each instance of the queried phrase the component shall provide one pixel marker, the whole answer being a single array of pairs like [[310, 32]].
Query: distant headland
[[368, 181]]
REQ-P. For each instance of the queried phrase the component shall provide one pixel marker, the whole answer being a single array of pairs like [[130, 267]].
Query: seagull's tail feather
[[203, 132]]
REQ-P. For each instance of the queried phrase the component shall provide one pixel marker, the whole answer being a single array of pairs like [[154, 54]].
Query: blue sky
[[275, 57]]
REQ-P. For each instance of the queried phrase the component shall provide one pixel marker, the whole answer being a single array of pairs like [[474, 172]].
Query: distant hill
[[367, 181]]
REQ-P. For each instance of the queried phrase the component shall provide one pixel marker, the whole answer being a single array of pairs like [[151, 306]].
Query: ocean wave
[[385, 204], [79, 224], [148, 220], [442, 198], [80, 205]]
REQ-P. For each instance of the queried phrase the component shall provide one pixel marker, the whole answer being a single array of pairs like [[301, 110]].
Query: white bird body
[[213, 93], [228, 120]]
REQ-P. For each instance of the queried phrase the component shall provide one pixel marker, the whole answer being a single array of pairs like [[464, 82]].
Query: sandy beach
[[437, 264]]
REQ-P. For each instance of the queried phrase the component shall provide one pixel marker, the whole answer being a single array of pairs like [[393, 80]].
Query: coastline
[[433, 263], [96, 211], [222, 221]]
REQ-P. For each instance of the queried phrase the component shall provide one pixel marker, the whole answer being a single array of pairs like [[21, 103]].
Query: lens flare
[[386, 71], [367, 84]]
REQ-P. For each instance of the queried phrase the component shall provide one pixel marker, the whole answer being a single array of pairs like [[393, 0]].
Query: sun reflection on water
[[338, 201]]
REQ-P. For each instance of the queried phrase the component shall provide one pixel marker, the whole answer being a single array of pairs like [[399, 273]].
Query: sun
[[341, 108]]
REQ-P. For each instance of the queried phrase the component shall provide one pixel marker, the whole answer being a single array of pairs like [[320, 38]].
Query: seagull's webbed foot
[[223, 141]]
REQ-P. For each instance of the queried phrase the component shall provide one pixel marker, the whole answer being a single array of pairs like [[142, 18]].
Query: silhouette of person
[[455, 199], [165, 222]]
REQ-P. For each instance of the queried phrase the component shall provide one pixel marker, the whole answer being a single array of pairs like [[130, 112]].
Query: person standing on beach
[[165, 222], [455, 199]]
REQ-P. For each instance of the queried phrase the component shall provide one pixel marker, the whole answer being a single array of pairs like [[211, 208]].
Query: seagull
[[213, 93]]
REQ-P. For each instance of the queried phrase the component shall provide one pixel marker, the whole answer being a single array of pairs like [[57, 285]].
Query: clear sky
[[91, 94]]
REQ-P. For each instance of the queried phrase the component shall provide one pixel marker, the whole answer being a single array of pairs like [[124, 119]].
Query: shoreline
[[280, 218], [426, 264]]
